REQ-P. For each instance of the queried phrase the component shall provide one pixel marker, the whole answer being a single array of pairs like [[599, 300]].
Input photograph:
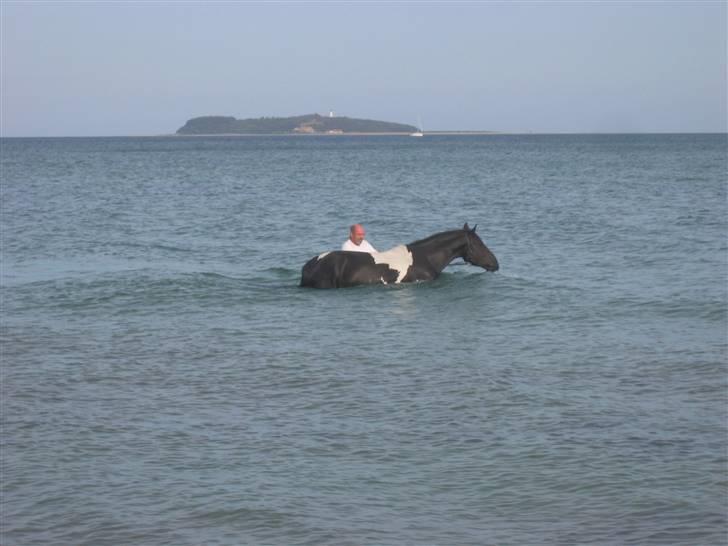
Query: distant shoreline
[[429, 133]]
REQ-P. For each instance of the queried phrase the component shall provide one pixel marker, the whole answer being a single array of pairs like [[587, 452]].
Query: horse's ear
[[474, 228], [466, 227]]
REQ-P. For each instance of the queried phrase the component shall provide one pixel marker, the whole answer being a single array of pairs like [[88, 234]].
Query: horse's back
[[340, 269], [313, 273]]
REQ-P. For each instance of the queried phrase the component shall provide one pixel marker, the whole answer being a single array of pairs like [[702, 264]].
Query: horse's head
[[477, 253]]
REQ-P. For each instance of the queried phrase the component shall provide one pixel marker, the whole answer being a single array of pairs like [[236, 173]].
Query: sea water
[[166, 381]]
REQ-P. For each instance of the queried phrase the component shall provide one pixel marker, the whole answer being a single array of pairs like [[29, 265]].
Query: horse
[[421, 260]]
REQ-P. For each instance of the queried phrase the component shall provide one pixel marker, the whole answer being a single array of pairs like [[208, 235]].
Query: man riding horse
[[421, 260]]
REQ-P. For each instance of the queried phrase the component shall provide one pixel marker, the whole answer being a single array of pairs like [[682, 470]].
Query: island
[[310, 124]]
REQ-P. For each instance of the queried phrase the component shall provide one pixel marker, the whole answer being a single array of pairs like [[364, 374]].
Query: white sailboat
[[421, 132]]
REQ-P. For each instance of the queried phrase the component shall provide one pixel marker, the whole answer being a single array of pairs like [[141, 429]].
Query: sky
[[108, 68]]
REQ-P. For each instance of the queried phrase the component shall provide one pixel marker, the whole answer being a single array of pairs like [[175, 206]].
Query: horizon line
[[432, 133]]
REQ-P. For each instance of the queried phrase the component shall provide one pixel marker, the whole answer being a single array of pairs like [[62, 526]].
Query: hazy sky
[[144, 68]]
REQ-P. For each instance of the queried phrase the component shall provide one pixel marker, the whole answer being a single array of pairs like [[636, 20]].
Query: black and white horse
[[422, 260]]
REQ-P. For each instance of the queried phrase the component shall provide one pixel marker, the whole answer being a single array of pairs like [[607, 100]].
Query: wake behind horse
[[422, 260]]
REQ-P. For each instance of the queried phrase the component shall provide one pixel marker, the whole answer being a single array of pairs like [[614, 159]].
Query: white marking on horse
[[398, 258], [322, 256]]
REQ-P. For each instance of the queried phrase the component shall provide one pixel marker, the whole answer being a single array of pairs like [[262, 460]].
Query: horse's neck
[[440, 250]]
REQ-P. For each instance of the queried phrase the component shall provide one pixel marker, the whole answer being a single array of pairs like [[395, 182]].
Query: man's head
[[357, 234]]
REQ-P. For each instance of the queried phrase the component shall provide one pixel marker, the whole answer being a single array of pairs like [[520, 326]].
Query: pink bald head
[[357, 234]]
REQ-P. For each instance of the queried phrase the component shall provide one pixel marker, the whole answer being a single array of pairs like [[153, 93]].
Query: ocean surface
[[166, 382]]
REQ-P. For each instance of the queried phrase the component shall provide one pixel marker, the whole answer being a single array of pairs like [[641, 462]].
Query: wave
[[148, 246], [677, 307], [511, 296], [147, 287]]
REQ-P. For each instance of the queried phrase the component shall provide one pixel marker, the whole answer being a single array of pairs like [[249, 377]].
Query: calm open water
[[165, 381]]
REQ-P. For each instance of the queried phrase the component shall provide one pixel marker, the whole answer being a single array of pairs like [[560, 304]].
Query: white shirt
[[363, 247]]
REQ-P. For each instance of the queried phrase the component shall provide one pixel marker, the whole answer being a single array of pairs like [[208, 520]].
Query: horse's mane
[[435, 236]]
